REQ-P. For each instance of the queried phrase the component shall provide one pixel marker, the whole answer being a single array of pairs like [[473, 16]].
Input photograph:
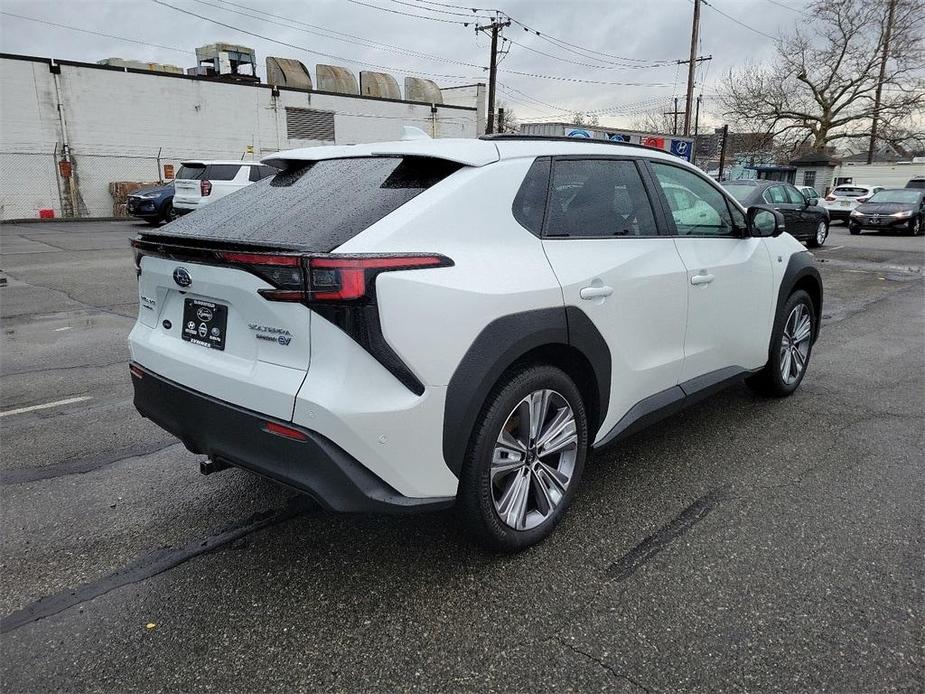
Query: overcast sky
[[600, 34]]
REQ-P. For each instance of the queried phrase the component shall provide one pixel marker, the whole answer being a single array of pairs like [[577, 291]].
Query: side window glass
[[738, 219], [794, 196], [698, 208], [254, 173], [598, 198], [776, 195], [530, 201]]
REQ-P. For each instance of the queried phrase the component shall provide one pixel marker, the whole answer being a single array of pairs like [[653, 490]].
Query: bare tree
[[819, 89], [655, 122], [581, 118], [507, 119]]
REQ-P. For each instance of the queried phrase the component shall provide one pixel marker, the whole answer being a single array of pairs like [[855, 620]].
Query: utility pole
[[695, 34], [722, 152], [696, 129], [494, 29], [886, 55], [674, 113]]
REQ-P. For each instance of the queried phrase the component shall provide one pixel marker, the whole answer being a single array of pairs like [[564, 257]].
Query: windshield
[[740, 191], [903, 197]]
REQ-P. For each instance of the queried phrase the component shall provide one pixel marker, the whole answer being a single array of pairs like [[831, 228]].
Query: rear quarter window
[[314, 206]]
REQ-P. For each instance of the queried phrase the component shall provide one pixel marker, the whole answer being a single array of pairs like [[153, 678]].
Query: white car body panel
[[729, 319], [642, 321], [844, 204], [187, 192], [258, 374], [660, 329]]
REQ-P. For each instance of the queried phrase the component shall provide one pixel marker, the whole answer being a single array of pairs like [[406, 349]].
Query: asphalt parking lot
[[745, 544]]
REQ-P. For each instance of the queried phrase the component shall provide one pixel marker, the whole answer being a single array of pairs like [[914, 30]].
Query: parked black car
[[154, 205], [805, 219], [918, 182], [899, 210]]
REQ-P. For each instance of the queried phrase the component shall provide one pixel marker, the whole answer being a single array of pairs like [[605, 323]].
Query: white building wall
[[887, 175], [124, 126]]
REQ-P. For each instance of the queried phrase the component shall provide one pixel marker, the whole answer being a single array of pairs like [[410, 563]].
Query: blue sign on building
[[579, 133], [618, 137]]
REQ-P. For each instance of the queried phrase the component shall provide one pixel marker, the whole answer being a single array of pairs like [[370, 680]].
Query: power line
[[303, 48], [95, 33], [324, 31], [563, 78], [409, 14], [582, 48], [740, 23], [449, 12], [787, 7], [575, 62]]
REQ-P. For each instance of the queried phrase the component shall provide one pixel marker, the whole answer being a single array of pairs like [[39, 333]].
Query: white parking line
[[46, 406]]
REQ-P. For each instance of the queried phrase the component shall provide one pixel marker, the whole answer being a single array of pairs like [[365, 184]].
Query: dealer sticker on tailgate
[[204, 323]]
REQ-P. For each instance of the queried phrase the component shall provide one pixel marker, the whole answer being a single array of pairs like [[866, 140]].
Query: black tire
[[813, 241], [167, 213], [770, 381], [477, 492], [853, 230], [154, 221]]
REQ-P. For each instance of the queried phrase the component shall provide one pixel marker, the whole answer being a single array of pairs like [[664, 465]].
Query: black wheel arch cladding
[[501, 344], [801, 273]]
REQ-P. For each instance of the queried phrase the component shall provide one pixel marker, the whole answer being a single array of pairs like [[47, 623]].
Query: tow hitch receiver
[[207, 467]]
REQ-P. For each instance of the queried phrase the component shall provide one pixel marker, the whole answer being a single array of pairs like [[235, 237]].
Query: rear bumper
[[234, 435], [841, 214]]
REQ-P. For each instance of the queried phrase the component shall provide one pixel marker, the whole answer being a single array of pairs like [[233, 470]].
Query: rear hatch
[[194, 180], [224, 306]]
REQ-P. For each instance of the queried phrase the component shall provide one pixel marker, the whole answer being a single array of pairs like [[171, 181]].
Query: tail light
[[330, 278], [205, 187], [830, 198]]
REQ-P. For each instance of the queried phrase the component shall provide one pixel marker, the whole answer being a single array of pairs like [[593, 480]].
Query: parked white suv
[[408, 325], [199, 183], [844, 198]]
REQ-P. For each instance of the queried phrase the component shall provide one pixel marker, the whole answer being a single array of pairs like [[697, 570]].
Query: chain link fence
[[39, 184]]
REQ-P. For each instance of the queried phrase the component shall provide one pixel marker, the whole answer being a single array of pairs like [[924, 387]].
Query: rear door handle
[[595, 292], [703, 278]]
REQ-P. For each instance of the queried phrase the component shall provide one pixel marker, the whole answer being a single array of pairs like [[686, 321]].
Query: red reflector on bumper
[[135, 371], [284, 431]]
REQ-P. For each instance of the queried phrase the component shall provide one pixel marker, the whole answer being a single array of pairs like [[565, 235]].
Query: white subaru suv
[[413, 325], [200, 183]]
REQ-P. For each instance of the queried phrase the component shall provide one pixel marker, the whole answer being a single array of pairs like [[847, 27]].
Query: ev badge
[[182, 277]]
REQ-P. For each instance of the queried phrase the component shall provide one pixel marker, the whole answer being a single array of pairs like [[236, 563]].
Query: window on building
[[309, 124], [809, 179]]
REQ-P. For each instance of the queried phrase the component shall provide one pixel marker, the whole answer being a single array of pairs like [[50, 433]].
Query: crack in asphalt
[[81, 465], [150, 565], [601, 663], [43, 369], [83, 304], [652, 545]]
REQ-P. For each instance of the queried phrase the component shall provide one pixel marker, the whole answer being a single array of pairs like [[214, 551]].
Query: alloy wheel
[[821, 233], [534, 459], [794, 347]]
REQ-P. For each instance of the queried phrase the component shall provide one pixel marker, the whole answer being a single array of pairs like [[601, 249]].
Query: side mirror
[[812, 202], [764, 221]]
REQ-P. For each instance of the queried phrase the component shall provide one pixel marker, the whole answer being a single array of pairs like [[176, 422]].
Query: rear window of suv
[[208, 172], [315, 206], [847, 192]]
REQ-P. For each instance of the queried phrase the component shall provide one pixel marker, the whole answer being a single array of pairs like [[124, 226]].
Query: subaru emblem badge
[[182, 277]]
